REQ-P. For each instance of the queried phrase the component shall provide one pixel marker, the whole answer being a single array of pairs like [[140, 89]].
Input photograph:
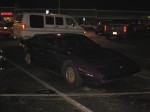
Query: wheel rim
[[70, 74], [27, 58]]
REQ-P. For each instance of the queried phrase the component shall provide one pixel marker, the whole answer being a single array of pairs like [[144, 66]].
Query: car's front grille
[[117, 69]]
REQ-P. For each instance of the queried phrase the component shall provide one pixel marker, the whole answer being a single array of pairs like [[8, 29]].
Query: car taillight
[[125, 29], [22, 26], [105, 27]]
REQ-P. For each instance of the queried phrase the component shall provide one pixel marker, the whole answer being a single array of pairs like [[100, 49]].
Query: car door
[[34, 47], [49, 54]]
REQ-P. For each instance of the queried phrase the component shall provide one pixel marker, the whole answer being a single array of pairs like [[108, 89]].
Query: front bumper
[[99, 76]]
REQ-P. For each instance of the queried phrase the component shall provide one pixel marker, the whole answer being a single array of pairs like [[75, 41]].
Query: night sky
[[132, 5]]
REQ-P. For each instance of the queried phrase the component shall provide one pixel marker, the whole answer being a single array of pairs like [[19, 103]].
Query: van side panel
[[40, 23], [73, 26], [60, 26]]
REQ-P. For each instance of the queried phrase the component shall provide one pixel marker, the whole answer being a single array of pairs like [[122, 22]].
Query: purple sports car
[[77, 58]]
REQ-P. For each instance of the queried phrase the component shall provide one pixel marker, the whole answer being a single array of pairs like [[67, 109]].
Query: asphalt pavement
[[32, 89]]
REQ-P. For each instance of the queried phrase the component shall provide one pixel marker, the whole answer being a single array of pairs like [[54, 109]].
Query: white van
[[27, 24]]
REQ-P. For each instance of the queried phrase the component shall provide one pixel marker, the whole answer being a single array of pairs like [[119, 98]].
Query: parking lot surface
[[29, 89]]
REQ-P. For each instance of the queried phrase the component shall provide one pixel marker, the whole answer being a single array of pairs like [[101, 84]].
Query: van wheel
[[71, 75]]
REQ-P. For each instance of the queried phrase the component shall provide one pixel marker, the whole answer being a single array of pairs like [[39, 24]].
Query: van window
[[59, 21], [70, 21], [49, 20], [36, 21]]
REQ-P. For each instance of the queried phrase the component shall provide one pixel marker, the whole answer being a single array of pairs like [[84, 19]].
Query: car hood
[[107, 61], [98, 56]]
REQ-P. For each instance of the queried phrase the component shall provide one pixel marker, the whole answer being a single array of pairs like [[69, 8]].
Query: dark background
[[132, 5]]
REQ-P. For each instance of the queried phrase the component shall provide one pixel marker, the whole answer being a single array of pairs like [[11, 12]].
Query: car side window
[[49, 42], [36, 40]]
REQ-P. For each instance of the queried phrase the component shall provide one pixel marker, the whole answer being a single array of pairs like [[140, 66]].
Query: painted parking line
[[64, 96], [137, 75], [141, 74], [81, 94]]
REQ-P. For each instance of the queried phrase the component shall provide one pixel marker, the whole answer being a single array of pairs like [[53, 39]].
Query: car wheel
[[71, 75], [27, 57]]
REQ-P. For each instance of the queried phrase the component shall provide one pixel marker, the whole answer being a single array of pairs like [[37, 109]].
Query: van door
[[49, 24], [36, 25], [60, 26], [72, 26]]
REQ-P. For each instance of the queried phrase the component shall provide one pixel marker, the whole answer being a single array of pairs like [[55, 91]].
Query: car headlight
[[86, 72]]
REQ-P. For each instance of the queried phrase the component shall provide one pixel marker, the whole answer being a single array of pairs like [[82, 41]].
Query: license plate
[[5, 28], [114, 33]]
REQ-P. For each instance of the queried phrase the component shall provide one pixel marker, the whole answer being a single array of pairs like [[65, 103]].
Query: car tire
[[27, 57], [71, 74]]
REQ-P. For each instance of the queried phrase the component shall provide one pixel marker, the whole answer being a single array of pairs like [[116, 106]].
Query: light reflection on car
[[2, 61], [77, 58]]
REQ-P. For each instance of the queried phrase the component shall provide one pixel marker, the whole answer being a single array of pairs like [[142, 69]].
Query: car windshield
[[77, 41]]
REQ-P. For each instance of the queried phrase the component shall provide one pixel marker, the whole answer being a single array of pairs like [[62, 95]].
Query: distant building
[[90, 15], [6, 13]]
